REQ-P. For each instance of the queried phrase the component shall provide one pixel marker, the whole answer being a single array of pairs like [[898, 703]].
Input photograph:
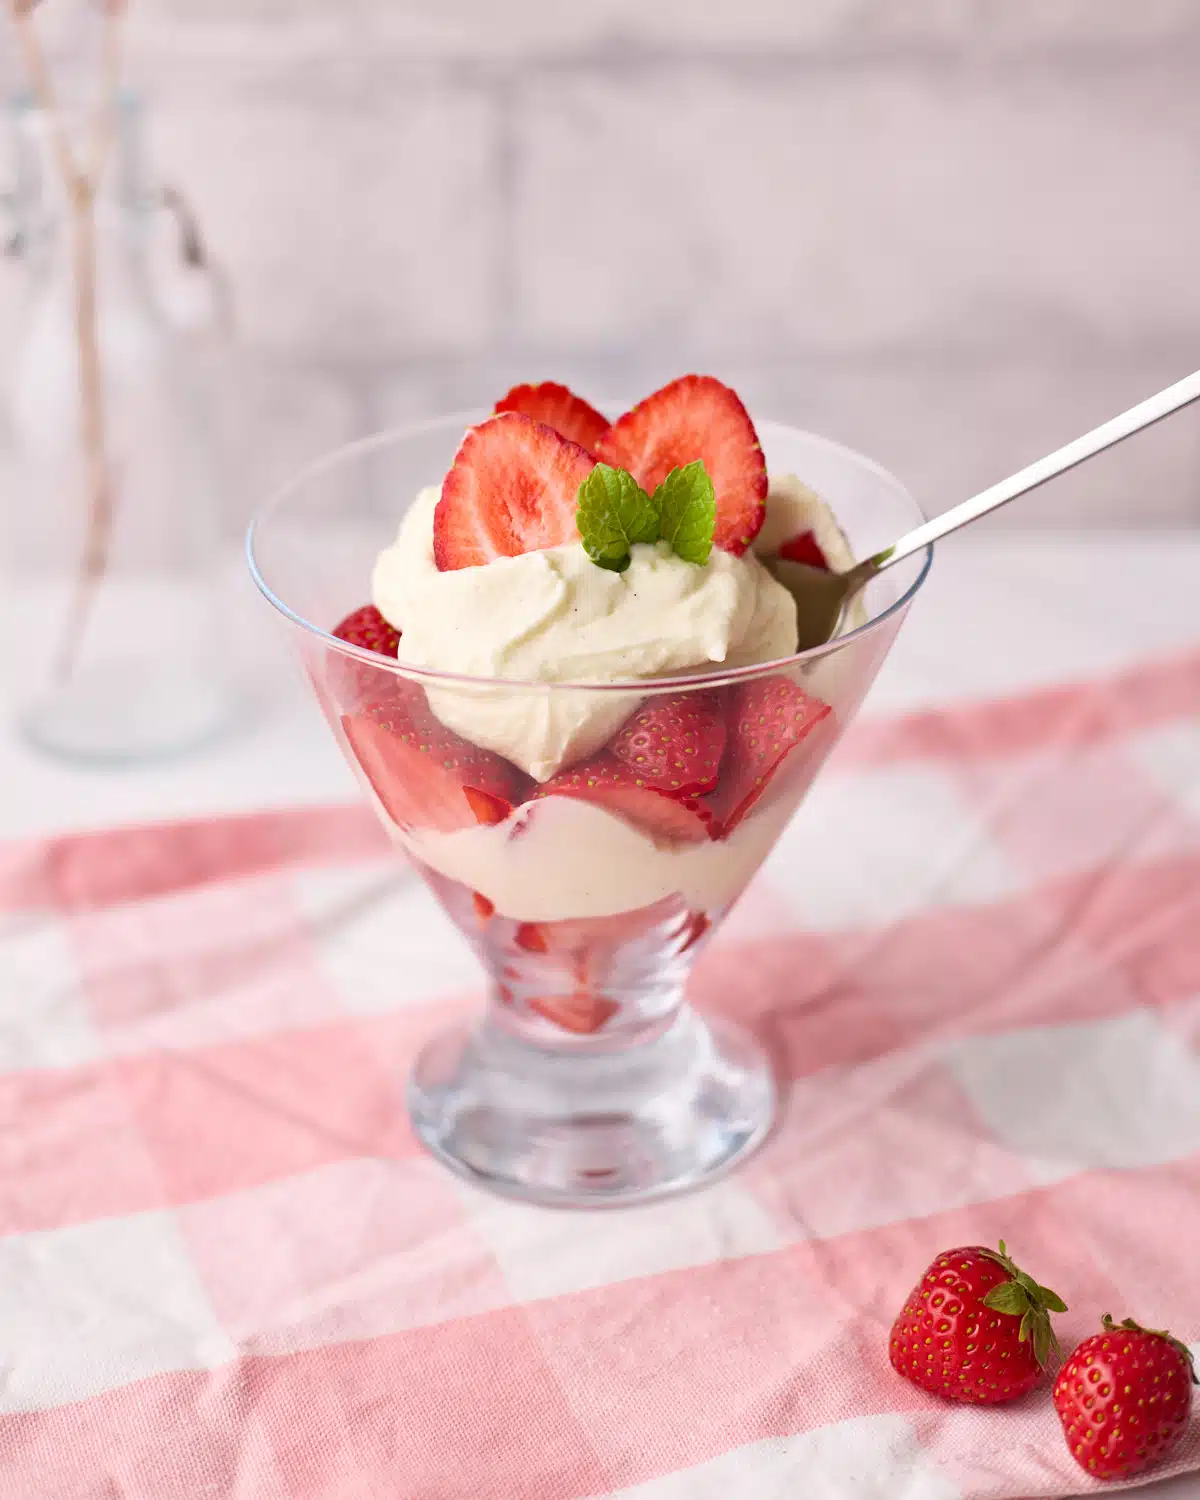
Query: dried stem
[[81, 186], [94, 563], [104, 125], [43, 91]]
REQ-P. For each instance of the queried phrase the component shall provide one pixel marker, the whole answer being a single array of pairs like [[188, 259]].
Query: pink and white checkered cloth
[[226, 1270]]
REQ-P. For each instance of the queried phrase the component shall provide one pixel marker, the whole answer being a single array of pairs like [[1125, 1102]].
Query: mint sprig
[[614, 513], [688, 507]]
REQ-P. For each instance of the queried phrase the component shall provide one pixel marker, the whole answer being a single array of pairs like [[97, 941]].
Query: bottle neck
[[122, 199]]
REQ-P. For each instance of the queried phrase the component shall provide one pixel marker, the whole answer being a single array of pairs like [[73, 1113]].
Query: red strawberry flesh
[[425, 775], [805, 549], [611, 784], [366, 627], [532, 937], [674, 744], [696, 417], [560, 408], [769, 717], [346, 682], [581, 1012], [513, 488]]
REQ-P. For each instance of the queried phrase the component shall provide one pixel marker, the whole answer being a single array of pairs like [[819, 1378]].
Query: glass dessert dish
[[587, 895]]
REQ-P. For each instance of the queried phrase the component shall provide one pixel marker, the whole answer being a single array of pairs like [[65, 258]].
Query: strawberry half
[[696, 417], [423, 773], [611, 783], [366, 627], [513, 488], [569, 415], [805, 549], [768, 718], [675, 744]]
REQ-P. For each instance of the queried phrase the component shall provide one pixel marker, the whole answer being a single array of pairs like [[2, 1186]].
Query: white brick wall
[[952, 232], [854, 212]]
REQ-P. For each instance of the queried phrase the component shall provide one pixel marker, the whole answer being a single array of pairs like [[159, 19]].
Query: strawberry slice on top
[[768, 718], [425, 775], [560, 408], [513, 488], [696, 417]]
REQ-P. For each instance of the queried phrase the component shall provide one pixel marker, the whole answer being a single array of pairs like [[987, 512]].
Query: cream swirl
[[554, 616]]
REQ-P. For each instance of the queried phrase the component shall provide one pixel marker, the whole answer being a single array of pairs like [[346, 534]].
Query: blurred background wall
[[950, 232]]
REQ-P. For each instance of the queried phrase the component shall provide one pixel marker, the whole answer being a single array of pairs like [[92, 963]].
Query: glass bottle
[[111, 504]]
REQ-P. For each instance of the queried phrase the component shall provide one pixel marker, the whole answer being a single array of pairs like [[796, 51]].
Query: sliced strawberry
[[610, 783], [484, 909], [582, 1012], [554, 404], [805, 549], [532, 937], [674, 744], [425, 775], [696, 417], [350, 683], [768, 718], [366, 627], [513, 488]]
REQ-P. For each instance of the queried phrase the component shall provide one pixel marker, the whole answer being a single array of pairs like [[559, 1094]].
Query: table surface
[[998, 614]]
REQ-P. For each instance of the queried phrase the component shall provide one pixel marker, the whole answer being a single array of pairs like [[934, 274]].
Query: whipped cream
[[561, 858], [554, 616], [792, 509]]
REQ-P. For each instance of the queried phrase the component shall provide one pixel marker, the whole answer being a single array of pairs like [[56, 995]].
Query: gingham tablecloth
[[226, 1270]]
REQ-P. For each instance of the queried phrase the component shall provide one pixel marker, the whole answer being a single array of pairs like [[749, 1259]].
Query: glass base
[[589, 1129], [125, 712]]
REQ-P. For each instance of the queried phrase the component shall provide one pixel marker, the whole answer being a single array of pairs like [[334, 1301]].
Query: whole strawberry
[[975, 1328], [1124, 1397]]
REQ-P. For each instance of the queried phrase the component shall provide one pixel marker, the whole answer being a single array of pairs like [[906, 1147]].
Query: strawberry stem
[[1021, 1296]]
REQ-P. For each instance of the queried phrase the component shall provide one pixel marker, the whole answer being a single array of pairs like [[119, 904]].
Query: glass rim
[[645, 686]]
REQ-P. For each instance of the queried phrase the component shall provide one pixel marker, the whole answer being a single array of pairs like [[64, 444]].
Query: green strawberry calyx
[[1106, 1322], [1022, 1297]]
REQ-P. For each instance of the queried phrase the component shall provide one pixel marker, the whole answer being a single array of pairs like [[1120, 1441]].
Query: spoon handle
[[1109, 433]]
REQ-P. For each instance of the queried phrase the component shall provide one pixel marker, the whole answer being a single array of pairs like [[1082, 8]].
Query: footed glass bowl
[[587, 1079]]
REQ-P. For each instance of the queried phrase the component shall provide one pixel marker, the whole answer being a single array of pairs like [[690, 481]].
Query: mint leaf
[[689, 511], [613, 513]]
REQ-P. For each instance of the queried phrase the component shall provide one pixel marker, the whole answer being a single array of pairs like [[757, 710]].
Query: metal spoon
[[822, 598]]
